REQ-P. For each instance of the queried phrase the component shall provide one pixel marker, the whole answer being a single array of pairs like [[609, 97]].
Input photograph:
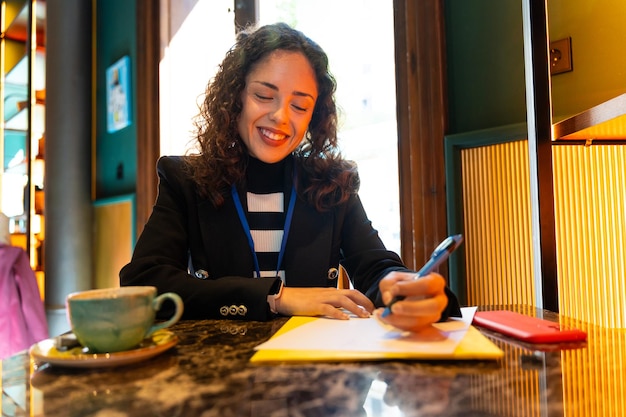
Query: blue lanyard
[[246, 227]]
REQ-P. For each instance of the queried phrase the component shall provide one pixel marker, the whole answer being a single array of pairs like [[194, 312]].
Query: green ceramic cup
[[117, 319]]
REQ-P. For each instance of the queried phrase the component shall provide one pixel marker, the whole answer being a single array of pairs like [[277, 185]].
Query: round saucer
[[80, 357]]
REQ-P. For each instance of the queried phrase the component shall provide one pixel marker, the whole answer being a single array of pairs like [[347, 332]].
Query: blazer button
[[242, 310], [333, 273], [202, 274], [224, 311]]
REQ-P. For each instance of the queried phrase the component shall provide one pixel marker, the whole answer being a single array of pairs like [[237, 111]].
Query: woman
[[268, 200]]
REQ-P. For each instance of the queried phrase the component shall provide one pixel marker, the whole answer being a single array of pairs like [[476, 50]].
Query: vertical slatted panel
[[590, 185], [496, 207], [590, 210]]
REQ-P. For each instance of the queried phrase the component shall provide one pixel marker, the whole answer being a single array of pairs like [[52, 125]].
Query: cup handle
[[156, 305]]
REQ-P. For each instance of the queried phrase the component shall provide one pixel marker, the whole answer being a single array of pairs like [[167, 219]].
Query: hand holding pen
[[424, 289]]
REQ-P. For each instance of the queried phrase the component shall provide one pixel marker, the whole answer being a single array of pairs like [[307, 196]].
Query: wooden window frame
[[148, 127], [422, 121]]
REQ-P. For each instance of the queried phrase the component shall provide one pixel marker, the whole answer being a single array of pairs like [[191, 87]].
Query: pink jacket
[[22, 315]]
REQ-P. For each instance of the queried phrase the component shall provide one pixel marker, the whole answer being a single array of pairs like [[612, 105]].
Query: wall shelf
[[20, 121], [19, 73], [606, 121]]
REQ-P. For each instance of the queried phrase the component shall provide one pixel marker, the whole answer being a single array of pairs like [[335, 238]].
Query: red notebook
[[527, 328]]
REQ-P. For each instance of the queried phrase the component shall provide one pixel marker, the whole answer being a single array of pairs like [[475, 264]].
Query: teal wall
[[116, 153], [485, 59]]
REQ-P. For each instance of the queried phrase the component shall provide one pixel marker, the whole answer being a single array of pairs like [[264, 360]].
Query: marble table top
[[208, 373]]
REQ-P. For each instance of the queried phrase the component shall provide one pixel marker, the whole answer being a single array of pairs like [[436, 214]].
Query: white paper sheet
[[369, 335]]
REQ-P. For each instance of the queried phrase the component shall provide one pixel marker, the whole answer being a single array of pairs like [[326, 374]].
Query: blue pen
[[439, 255]]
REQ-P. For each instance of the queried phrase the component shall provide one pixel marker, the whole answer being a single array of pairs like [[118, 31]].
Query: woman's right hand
[[330, 302], [425, 300]]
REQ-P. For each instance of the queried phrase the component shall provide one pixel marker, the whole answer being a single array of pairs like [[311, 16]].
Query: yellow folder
[[473, 346]]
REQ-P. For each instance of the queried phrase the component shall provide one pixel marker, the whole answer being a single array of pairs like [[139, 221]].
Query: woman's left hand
[[326, 301], [425, 300]]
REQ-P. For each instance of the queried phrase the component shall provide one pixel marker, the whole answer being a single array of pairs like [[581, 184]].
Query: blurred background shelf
[[23, 91]]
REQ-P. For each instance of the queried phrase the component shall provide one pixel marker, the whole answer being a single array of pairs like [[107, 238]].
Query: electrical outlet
[[561, 56]]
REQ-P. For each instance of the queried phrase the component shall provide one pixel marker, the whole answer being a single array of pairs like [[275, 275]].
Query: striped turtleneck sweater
[[266, 202]]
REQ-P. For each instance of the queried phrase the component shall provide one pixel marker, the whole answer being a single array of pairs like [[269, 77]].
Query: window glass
[[197, 40], [358, 37]]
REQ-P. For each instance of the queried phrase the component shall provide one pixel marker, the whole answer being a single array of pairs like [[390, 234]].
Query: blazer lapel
[[226, 251], [309, 245]]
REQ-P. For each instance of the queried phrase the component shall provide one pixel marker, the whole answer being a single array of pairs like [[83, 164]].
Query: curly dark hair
[[222, 159]]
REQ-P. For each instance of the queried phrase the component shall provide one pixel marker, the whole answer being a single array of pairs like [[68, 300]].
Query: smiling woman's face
[[278, 103]]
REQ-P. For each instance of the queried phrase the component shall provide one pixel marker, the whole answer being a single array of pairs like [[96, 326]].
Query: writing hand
[[323, 302], [425, 300]]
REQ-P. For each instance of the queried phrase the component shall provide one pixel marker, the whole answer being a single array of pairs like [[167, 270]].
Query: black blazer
[[201, 252]]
